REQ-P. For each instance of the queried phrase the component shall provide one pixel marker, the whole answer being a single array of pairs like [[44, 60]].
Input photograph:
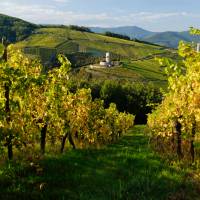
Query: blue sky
[[155, 15]]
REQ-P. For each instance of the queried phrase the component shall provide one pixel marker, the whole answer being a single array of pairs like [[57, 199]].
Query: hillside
[[15, 29], [134, 71], [83, 48], [46, 42], [55, 37]]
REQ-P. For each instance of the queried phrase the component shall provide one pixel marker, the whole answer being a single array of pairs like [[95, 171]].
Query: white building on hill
[[107, 62], [198, 47]]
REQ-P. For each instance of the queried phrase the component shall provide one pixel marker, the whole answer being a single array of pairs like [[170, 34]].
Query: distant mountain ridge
[[168, 38], [172, 39], [131, 31]]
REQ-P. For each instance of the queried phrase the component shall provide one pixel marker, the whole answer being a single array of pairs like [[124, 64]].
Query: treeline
[[72, 27], [80, 28], [145, 42], [115, 35], [136, 98], [52, 26]]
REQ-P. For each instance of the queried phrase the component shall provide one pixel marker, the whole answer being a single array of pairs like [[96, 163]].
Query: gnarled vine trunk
[[43, 138], [71, 141], [178, 127], [63, 142], [192, 150]]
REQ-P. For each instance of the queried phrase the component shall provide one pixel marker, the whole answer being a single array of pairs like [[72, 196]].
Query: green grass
[[135, 71], [149, 70], [127, 170]]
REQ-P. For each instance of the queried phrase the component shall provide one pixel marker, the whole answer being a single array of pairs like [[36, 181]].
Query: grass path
[[127, 170]]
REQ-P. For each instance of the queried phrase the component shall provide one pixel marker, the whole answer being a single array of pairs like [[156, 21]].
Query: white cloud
[[61, 1], [48, 14], [51, 14]]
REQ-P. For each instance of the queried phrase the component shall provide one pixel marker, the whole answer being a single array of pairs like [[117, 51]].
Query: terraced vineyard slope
[[65, 40], [84, 48]]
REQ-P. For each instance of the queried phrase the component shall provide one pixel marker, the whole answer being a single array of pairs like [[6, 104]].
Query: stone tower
[[108, 58], [198, 47]]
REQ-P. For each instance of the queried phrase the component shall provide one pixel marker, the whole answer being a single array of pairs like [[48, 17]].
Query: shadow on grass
[[127, 170]]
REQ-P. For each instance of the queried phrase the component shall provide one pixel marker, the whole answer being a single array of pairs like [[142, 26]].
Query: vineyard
[[86, 48], [127, 169], [67, 41], [36, 108], [175, 124], [74, 134]]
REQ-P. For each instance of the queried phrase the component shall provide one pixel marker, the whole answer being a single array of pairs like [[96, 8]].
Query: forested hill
[[15, 29]]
